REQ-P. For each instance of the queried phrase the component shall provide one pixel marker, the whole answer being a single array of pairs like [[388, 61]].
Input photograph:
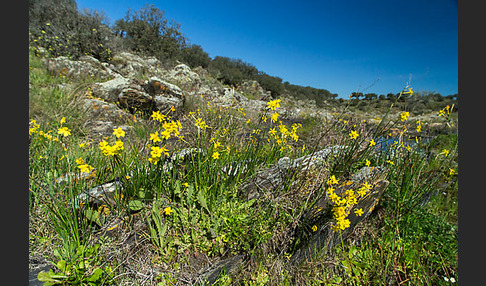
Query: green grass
[[182, 210]]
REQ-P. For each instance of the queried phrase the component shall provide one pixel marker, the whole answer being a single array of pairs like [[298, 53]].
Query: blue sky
[[339, 45]]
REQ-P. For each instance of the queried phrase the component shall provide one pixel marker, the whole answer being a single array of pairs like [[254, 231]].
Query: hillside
[[146, 169]]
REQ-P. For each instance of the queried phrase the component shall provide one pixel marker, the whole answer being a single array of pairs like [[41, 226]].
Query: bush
[[56, 26], [195, 56], [148, 32]]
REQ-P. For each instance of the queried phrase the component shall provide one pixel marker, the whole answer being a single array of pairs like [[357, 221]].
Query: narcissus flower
[[168, 210], [353, 134], [403, 116], [274, 104], [85, 168], [64, 131], [118, 132]]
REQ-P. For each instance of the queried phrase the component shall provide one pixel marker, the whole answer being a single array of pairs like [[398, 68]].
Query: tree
[[370, 96], [195, 56], [148, 32]]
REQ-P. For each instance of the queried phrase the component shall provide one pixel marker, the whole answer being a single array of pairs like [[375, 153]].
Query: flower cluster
[[111, 150], [343, 205], [156, 153], [403, 116], [82, 166]]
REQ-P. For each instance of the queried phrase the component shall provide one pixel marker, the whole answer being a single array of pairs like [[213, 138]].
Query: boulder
[[110, 90], [86, 67], [102, 110], [130, 65]]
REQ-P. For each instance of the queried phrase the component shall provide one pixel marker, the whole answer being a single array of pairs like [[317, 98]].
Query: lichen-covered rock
[[110, 90], [130, 65], [89, 67]]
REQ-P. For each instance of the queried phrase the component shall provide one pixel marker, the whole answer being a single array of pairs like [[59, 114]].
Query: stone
[[130, 65], [110, 90], [272, 178], [90, 67], [102, 110], [101, 194]]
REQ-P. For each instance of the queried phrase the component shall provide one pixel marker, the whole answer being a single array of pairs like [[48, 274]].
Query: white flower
[[446, 279], [453, 280]]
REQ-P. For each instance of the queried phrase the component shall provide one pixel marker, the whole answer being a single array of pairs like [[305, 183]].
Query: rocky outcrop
[[85, 67], [130, 65]]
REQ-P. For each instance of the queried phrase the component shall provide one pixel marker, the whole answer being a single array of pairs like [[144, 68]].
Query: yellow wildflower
[[359, 212], [64, 131], [403, 116], [79, 161], [445, 152], [215, 155], [314, 228], [118, 132], [353, 134], [63, 120], [274, 104], [155, 137], [168, 210], [332, 180], [274, 117], [85, 168]]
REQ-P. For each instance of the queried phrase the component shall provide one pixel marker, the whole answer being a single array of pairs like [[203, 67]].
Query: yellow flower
[[274, 117], [359, 212], [79, 161], [419, 126], [274, 104], [64, 131], [314, 228], [85, 168], [451, 172], [332, 180], [390, 162], [63, 120], [168, 210], [367, 163], [404, 115], [445, 152], [82, 145], [118, 132], [273, 131], [215, 155], [155, 137], [264, 118], [157, 116], [353, 134], [372, 143], [201, 124]]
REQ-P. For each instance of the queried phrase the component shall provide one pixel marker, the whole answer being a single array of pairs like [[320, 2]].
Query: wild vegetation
[[172, 214]]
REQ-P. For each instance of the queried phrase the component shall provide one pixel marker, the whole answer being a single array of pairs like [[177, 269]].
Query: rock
[[165, 95], [89, 67], [110, 90], [135, 98], [187, 79], [309, 242], [102, 110], [269, 179], [130, 65], [102, 194]]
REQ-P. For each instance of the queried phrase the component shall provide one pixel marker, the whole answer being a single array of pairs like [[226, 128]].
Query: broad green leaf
[[96, 275], [92, 216], [135, 205]]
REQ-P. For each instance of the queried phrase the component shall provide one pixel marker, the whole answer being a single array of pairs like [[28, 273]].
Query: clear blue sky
[[339, 45]]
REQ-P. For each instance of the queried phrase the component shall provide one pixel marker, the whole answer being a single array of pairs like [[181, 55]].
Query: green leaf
[[61, 265], [45, 277], [92, 216], [96, 275], [135, 205], [202, 200]]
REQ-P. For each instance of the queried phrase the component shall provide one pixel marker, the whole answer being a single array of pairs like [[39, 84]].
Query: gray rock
[[110, 90], [89, 67]]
